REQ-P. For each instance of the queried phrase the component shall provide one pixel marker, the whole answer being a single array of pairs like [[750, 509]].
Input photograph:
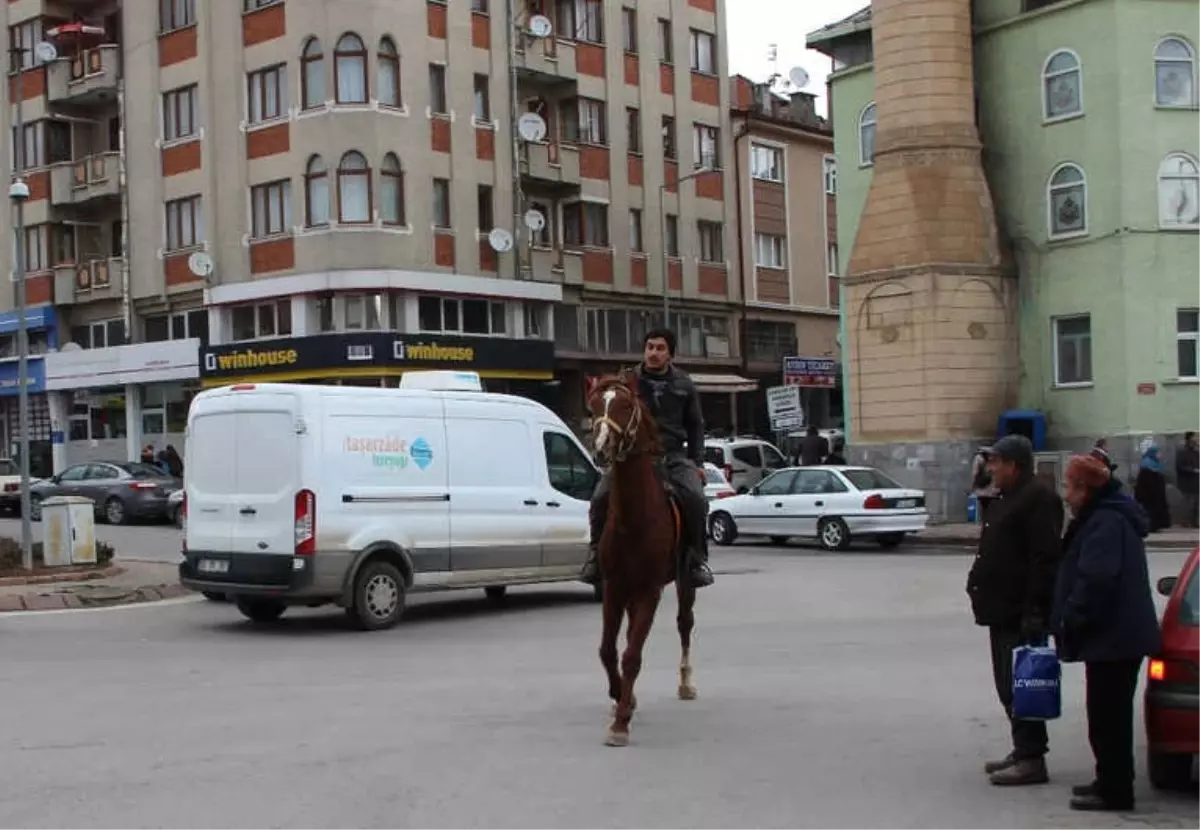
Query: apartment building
[[303, 190], [787, 241]]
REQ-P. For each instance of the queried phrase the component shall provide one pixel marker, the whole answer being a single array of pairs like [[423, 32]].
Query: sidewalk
[[136, 582], [964, 533]]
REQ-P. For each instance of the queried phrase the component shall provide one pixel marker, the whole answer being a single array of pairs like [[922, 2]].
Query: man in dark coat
[[813, 447], [1011, 586], [1187, 478], [675, 403]]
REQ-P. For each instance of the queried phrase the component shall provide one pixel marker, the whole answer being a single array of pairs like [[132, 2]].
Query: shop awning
[[723, 383]]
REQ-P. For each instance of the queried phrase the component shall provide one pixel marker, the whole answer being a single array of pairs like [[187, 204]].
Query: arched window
[[354, 189], [316, 193], [1179, 192], [1067, 200], [350, 70], [1062, 86], [312, 75], [1174, 73], [866, 135], [389, 73], [391, 191]]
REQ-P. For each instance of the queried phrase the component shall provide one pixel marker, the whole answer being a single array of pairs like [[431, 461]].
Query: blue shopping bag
[[1037, 683]]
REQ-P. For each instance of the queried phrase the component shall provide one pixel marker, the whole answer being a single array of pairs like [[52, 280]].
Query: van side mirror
[[1166, 585]]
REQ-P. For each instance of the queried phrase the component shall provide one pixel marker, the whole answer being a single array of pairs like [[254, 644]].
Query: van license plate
[[214, 566], [906, 503]]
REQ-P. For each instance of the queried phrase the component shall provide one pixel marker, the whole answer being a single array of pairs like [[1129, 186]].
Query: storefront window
[[165, 407], [107, 414]]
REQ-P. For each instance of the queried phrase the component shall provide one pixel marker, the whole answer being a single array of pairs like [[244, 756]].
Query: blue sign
[[422, 453], [9, 376], [36, 319], [821, 372]]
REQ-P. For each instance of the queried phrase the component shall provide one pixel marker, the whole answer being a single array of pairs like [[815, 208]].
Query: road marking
[[132, 606]]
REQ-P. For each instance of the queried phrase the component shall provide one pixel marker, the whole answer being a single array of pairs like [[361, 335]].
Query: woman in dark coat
[[1104, 616], [1150, 490]]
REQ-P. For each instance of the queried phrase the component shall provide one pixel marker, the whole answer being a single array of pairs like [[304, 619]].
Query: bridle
[[626, 435]]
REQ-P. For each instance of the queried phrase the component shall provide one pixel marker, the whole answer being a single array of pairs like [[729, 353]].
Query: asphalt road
[[834, 691]]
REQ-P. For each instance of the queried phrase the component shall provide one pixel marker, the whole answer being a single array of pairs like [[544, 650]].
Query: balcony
[[552, 165], [87, 78], [97, 279], [87, 180], [547, 62]]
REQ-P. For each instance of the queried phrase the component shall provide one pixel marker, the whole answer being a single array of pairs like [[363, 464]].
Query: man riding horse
[[672, 398]]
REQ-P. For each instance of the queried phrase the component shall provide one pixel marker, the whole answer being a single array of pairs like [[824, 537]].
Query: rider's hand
[[700, 473]]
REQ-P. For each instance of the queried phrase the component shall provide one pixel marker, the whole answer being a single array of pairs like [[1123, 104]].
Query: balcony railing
[[88, 76]]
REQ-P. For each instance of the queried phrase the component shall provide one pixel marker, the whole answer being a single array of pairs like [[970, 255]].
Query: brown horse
[[639, 548]]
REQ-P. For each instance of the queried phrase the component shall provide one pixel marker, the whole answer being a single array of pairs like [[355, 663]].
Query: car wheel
[[215, 596], [261, 610], [833, 534], [35, 508], [114, 511], [378, 596], [496, 593], [1169, 771], [722, 529], [887, 541], [779, 540]]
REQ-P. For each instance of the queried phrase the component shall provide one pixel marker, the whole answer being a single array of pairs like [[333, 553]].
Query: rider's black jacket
[[675, 403]]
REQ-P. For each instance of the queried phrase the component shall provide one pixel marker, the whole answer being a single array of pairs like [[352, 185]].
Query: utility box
[[69, 531]]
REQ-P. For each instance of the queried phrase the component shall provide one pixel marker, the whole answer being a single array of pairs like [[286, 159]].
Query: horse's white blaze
[[602, 437]]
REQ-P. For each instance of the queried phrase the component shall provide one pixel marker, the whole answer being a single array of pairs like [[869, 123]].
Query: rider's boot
[[698, 570], [591, 568]]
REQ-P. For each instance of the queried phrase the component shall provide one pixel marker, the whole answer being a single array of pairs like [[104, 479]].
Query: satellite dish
[[534, 220], [200, 264], [798, 76], [540, 26], [45, 51], [70, 346], [531, 127], [500, 240]]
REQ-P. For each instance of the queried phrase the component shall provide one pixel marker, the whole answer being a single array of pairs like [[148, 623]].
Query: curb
[[971, 541], [90, 598], [65, 575]]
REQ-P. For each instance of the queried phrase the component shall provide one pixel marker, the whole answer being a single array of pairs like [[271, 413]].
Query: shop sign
[[815, 372]]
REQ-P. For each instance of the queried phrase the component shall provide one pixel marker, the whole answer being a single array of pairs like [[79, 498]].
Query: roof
[[860, 21]]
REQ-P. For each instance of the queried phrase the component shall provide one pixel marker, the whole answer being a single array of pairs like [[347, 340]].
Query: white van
[[307, 495]]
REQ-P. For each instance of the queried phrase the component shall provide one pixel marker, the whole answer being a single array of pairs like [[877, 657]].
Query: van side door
[[570, 479]]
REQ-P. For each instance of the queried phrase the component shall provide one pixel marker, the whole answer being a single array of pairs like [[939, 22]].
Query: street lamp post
[[662, 218]]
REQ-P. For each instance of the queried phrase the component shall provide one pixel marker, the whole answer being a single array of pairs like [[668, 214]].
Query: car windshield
[[140, 470], [870, 479], [1189, 605], [8, 468], [714, 476]]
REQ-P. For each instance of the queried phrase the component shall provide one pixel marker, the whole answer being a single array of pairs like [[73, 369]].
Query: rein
[[626, 436]]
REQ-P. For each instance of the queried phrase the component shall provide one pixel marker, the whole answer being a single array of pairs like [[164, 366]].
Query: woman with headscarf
[[1104, 617], [1150, 489]]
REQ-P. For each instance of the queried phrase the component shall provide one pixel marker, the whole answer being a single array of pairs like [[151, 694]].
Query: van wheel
[[833, 534], [722, 529], [1169, 771], [378, 596], [261, 610], [496, 593]]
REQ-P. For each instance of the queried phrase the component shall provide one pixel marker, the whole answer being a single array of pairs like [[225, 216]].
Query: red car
[[1172, 693]]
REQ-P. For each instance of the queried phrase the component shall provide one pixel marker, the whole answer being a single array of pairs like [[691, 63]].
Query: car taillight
[[12, 488], [724, 494], [306, 523], [874, 502], [729, 473], [1171, 671], [142, 485]]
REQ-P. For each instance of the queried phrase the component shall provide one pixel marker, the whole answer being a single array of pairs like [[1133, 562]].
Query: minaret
[[930, 309]]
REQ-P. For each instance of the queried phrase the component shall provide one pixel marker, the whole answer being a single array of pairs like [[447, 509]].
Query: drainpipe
[[123, 191], [742, 132]]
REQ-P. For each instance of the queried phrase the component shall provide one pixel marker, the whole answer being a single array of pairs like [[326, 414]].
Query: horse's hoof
[[687, 692], [616, 738]]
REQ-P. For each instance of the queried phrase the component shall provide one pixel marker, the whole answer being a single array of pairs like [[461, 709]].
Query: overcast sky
[[759, 23]]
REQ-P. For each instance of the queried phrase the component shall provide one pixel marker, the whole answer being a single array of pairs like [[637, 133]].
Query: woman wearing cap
[[1104, 617]]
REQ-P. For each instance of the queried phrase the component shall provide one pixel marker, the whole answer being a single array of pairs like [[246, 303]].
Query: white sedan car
[[716, 486], [831, 504]]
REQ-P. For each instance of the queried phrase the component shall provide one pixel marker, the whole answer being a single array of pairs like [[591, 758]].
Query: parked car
[[745, 461], [10, 486], [716, 486], [831, 504], [1172, 695], [121, 490], [175, 508]]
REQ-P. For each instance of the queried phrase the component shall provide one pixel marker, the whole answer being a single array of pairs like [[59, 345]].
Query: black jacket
[[675, 403], [1187, 469], [1012, 578], [1103, 609]]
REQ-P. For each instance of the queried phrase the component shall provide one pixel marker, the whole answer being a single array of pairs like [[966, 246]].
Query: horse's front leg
[[614, 607], [641, 618], [686, 620]]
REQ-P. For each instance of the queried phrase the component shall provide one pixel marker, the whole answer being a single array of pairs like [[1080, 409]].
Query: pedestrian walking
[[1104, 617], [981, 483], [1187, 478], [174, 462], [1011, 587], [813, 447], [1150, 489]]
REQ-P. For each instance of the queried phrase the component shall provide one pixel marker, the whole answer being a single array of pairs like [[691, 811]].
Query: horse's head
[[619, 418]]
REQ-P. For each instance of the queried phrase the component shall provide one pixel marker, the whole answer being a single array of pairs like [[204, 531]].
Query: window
[[36, 254], [1178, 192], [537, 320], [179, 113], [467, 316], [350, 70], [831, 263], [354, 189], [185, 226], [251, 322], [483, 103], [768, 341], [391, 191], [711, 241], [1067, 200], [776, 484], [866, 136], [1073, 350], [766, 163], [266, 93], [46, 142], [437, 89], [316, 193], [672, 240], [633, 129], [706, 142], [584, 121], [769, 251], [666, 52], [62, 244], [312, 75], [253, 5], [872, 479], [1187, 328], [581, 20], [818, 482], [670, 148], [178, 326], [636, 243], [99, 335], [175, 14], [484, 207], [830, 168], [22, 39], [388, 71], [1062, 86], [480, 6], [441, 203], [629, 38], [362, 312], [568, 469], [271, 208], [1174, 73], [704, 53], [585, 223]]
